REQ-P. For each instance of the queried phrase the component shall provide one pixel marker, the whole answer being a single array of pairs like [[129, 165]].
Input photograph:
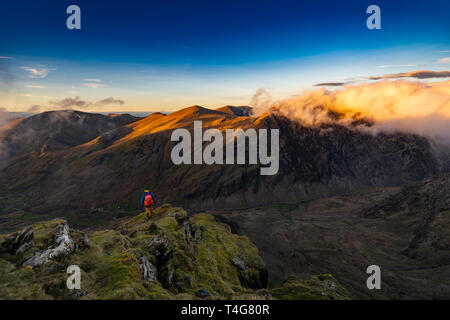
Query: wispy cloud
[[38, 73], [444, 60], [92, 80], [331, 84], [419, 74], [35, 86], [68, 103], [29, 95], [77, 102], [34, 108], [110, 100], [4, 57], [94, 85]]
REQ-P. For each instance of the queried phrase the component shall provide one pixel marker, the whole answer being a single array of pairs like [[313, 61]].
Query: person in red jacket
[[147, 200]]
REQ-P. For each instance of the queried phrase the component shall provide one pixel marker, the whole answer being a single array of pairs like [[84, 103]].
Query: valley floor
[[329, 236]]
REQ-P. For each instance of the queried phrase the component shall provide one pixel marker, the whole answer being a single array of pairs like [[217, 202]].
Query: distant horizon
[[19, 114]]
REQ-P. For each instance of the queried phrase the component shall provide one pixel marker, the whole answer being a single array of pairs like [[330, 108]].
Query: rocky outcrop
[[321, 287], [243, 271], [62, 247], [19, 241], [203, 293], [190, 231], [160, 247], [170, 256], [78, 294], [148, 270]]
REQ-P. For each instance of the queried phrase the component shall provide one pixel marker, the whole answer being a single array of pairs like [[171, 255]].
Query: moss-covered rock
[[171, 256], [321, 287]]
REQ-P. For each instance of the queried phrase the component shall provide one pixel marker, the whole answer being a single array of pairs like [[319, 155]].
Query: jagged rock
[[331, 285], [243, 271], [251, 277], [78, 293], [160, 245], [190, 231], [203, 293], [19, 241], [62, 247], [170, 276], [148, 270], [80, 238]]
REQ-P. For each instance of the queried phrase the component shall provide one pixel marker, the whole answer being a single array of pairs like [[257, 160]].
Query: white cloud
[[92, 80], [94, 85], [38, 73], [444, 60], [4, 57], [35, 86]]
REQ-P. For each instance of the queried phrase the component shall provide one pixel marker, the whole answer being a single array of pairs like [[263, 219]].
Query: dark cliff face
[[336, 155], [314, 162]]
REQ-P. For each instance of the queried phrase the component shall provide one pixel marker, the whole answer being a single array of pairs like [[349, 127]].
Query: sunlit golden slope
[[185, 118]]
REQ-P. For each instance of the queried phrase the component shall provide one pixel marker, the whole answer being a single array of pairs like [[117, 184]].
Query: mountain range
[[343, 198]]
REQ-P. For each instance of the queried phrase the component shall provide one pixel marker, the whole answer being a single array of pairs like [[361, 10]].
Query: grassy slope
[[110, 264]]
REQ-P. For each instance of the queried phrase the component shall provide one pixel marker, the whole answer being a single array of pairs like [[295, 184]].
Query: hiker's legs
[[151, 209], [146, 212]]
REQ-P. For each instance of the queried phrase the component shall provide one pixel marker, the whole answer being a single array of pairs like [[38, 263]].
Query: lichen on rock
[[62, 247]]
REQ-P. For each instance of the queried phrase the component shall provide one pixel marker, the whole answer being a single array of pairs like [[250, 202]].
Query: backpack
[[148, 200]]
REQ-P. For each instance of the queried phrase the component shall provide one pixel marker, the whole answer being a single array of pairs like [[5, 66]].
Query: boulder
[[148, 270], [19, 241], [63, 246], [203, 293]]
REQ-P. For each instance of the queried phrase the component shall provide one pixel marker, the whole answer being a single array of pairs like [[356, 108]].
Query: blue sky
[[164, 55]]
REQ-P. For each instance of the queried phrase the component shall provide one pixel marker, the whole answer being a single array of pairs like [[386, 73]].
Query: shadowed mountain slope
[[57, 130], [115, 166]]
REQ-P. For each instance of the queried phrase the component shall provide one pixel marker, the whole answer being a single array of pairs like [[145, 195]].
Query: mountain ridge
[[314, 162]]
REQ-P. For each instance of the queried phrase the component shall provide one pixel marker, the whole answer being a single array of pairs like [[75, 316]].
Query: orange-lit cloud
[[403, 106]]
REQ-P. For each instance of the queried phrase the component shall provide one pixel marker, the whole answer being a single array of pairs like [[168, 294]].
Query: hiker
[[147, 200]]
